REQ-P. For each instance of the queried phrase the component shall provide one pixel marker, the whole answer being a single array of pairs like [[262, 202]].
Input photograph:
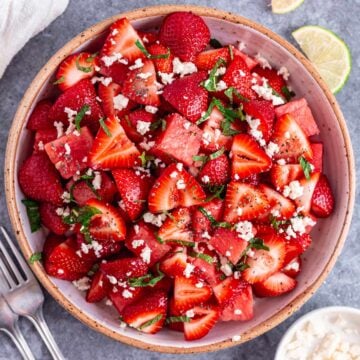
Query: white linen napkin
[[20, 20]]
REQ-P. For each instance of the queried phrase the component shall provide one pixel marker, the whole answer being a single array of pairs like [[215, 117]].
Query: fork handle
[[17, 337], [45, 333]]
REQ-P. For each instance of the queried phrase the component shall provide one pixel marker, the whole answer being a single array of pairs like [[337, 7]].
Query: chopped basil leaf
[[231, 52], [257, 243], [159, 239], [202, 256], [226, 128], [104, 127], [60, 80], [150, 322], [231, 91], [147, 280], [176, 319], [242, 266], [158, 123], [306, 167], [216, 192], [184, 243], [32, 211], [80, 115], [93, 270], [202, 158], [213, 222], [215, 43], [289, 94], [210, 83], [148, 55], [37, 256], [145, 158], [85, 69], [216, 154], [92, 57]]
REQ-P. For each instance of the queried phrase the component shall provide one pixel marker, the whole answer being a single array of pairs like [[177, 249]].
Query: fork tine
[[8, 277], [11, 264], [24, 266]]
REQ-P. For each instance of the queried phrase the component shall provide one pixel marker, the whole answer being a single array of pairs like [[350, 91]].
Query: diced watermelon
[[317, 159]]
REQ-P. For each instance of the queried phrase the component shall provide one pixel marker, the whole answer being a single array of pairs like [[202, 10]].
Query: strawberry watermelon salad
[[176, 177]]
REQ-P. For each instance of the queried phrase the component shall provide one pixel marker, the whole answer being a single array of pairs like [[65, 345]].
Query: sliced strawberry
[[185, 33], [281, 175], [296, 246], [283, 205], [301, 113], [175, 262], [169, 145], [148, 37], [308, 186], [68, 152], [108, 224], [120, 302], [248, 158], [291, 140], [38, 119], [249, 61], [274, 80], [235, 299], [201, 224], [189, 292], [111, 152], [81, 94], [109, 96], [51, 242], [141, 314], [177, 227], [39, 179], [265, 112], [264, 263], [244, 202], [124, 269], [51, 219], [116, 71], [75, 68], [134, 187], [140, 85], [122, 40], [143, 243], [207, 59], [238, 76], [84, 190], [276, 285], [63, 262], [317, 161], [228, 243], [293, 268], [187, 96], [42, 137], [216, 171], [204, 320], [322, 203], [175, 188], [99, 288], [163, 65]]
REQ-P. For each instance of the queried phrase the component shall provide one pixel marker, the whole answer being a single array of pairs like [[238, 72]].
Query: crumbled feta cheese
[[263, 62], [199, 285], [272, 149], [266, 92], [127, 294], [299, 224], [294, 190], [206, 235], [147, 145], [112, 279], [144, 76], [146, 255], [123, 325], [294, 265], [287, 135], [136, 243], [59, 126], [206, 137], [187, 125], [205, 179], [174, 174], [237, 312], [109, 60], [227, 253], [66, 197], [242, 74], [179, 167], [221, 85], [284, 72], [190, 313], [137, 64], [254, 131], [183, 68], [67, 149], [281, 162], [41, 146], [60, 272], [105, 81], [166, 78], [241, 46], [245, 230], [120, 102], [236, 177], [239, 211], [156, 220], [151, 109], [220, 71], [236, 274], [142, 127], [180, 184], [96, 183], [226, 269], [108, 302], [189, 268], [82, 284]]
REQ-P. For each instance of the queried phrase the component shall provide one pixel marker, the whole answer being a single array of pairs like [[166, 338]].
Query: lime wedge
[[284, 6], [329, 54]]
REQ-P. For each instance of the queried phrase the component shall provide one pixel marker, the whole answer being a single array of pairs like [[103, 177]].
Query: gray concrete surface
[[342, 286]]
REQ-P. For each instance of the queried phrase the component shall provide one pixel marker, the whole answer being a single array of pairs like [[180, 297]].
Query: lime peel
[[285, 6]]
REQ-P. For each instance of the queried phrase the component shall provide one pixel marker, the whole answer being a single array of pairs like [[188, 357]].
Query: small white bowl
[[348, 315]]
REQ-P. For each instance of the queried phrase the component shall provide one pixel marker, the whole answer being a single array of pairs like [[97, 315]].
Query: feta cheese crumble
[[151, 109], [284, 72], [263, 62], [180, 184], [294, 190], [183, 68], [142, 127], [82, 284], [120, 102], [244, 230], [188, 270]]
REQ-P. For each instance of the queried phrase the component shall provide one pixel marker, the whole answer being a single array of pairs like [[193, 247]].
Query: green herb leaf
[[176, 319], [157, 124], [93, 270], [306, 167], [289, 94], [210, 83], [202, 158], [150, 322], [257, 243], [184, 243], [92, 57], [33, 214], [202, 256], [146, 280], [148, 55], [216, 154], [104, 127], [215, 43], [80, 115], [60, 80], [37, 256], [231, 91], [213, 222], [159, 239], [242, 266], [276, 223], [85, 69], [216, 192], [145, 158]]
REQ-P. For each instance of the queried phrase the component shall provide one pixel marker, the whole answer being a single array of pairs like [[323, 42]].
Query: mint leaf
[[85, 69], [216, 154], [306, 167], [157, 124], [176, 319], [150, 322], [80, 115], [33, 214], [37, 256], [104, 127], [213, 222], [60, 80], [148, 55], [289, 94], [231, 91], [210, 83], [202, 256]]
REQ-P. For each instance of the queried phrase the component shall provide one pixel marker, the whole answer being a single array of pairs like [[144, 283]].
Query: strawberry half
[[207, 59], [308, 186], [74, 68], [276, 285], [322, 203], [133, 187], [248, 157], [99, 288], [163, 65], [39, 179], [244, 202], [187, 96], [123, 269], [51, 220], [174, 188], [140, 85], [189, 292], [185, 33], [281, 175], [108, 225], [293, 268], [263, 263], [38, 119], [113, 149], [216, 171], [121, 40], [147, 314], [235, 300], [175, 262]]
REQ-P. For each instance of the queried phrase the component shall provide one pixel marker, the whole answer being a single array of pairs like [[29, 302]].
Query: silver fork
[[25, 296], [9, 325]]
